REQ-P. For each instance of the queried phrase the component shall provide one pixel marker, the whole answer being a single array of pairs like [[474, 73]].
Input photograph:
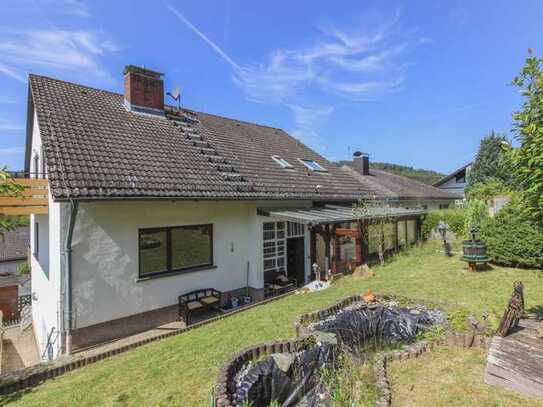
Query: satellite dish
[[176, 95]]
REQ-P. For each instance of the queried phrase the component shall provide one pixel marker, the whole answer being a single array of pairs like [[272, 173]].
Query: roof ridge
[[165, 104]]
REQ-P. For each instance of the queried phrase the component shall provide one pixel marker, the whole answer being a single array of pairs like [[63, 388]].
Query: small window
[[281, 161], [174, 249], [36, 239], [312, 165], [36, 166], [461, 178]]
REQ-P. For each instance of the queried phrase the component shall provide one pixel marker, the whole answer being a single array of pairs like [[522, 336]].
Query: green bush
[[512, 239], [476, 214], [455, 218], [24, 269]]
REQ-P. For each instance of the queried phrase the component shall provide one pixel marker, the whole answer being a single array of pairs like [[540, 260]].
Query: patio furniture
[[207, 298], [277, 283]]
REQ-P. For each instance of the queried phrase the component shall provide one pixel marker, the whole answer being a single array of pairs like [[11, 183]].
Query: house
[[14, 249], [397, 190], [456, 181], [146, 202], [13, 255]]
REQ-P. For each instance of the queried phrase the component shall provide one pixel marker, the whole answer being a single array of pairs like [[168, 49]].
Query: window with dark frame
[[36, 239], [175, 249]]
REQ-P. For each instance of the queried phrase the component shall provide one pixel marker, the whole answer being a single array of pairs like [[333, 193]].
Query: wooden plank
[[497, 376], [24, 210], [32, 182], [23, 201]]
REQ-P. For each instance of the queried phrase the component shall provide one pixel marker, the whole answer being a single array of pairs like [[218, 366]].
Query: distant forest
[[426, 176]]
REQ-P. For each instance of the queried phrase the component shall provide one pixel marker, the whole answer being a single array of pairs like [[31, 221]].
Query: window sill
[[175, 273]]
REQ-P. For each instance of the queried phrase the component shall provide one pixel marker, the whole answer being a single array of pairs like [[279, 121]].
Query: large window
[[275, 246], [174, 249]]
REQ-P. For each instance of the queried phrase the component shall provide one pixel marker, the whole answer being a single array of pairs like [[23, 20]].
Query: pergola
[[324, 221]]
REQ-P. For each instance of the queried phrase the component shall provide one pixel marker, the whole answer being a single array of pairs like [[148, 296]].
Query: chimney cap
[[142, 71], [360, 154]]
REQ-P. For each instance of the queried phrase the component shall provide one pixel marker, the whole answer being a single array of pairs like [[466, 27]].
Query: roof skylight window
[[281, 161], [312, 165]]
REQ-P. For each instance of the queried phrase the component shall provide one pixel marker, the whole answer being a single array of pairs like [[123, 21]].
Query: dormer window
[[281, 161], [312, 165]]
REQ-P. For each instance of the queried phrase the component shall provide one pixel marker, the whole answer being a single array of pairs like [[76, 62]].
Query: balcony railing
[[33, 199]]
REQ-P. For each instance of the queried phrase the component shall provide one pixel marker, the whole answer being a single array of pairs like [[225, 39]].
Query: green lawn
[[449, 377], [181, 370]]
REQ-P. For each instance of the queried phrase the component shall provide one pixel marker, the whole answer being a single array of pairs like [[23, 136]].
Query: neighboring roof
[[337, 214], [10, 280], [96, 149], [14, 245], [392, 186], [451, 175]]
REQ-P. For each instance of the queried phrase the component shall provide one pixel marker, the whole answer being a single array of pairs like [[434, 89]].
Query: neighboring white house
[[456, 181], [148, 202]]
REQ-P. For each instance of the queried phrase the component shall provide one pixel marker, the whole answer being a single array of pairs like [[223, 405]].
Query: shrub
[[24, 269], [512, 239], [476, 214], [455, 218]]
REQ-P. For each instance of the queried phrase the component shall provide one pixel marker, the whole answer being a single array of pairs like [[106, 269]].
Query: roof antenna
[[176, 95]]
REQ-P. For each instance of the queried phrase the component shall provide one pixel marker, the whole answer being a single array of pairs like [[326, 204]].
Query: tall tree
[[527, 159], [491, 162]]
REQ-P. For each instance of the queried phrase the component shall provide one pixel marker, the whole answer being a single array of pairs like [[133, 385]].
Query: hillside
[[419, 174]]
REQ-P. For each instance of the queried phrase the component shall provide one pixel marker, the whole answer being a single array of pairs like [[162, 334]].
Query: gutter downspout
[[68, 280]]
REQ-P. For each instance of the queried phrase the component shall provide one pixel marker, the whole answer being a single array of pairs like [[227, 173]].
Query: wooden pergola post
[[334, 249]]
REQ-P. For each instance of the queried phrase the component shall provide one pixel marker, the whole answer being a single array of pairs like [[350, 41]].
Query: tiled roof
[[96, 149], [451, 175], [14, 245], [388, 185]]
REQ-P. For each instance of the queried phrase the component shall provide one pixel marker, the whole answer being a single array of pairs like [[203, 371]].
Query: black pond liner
[[359, 327], [292, 379], [289, 378]]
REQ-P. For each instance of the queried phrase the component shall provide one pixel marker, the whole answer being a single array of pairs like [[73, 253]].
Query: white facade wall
[[105, 261], [45, 267], [453, 187]]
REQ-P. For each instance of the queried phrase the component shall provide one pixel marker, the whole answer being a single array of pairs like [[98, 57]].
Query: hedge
[[455, 218], [512, 240]]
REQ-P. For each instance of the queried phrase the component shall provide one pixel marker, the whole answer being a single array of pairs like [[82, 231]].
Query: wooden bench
[[198, 300]]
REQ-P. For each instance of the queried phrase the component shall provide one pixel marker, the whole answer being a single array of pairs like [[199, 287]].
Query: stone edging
[[226, 375], [33, 375], [303, 319]]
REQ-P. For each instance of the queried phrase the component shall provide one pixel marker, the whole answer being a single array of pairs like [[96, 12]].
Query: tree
[[491, 162], [380, 213], [527, 159], [8, 188]]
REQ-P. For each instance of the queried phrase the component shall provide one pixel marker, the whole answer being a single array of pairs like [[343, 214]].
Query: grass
[[181, 370], [449, 377]]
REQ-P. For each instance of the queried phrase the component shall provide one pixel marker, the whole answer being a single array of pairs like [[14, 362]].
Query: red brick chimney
[[143, 90], [361, 162]]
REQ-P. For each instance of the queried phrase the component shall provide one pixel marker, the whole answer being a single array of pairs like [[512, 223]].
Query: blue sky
[[413, 82]]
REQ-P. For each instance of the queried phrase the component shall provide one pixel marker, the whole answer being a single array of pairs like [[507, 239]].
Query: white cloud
[[6, 70], [352, 65], [55, 49], [7, 125], [76, 8], [308, 121], [11, 150]]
